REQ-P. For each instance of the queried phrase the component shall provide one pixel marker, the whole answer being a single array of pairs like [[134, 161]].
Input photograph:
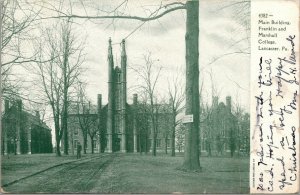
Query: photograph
[[125, 96]]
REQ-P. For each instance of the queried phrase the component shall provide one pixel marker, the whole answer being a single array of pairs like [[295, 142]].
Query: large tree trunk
[[65, 130], [191, 154], [173, 136], [57, 138], [154, 142]]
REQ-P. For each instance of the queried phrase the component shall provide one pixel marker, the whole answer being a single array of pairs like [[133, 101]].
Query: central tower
[[117, 99]]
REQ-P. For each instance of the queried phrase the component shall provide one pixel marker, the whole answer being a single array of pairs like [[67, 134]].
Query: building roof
[[26, 116]]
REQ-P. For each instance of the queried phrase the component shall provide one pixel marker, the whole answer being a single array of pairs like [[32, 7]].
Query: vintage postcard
[[149, 96]]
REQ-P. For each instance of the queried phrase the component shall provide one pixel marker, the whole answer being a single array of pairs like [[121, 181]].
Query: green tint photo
[[125, 96]]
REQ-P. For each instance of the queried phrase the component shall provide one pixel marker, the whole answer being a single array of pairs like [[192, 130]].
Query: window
[[95, 144], [75, 143], [168, 143], [76, 131], [158, 143]]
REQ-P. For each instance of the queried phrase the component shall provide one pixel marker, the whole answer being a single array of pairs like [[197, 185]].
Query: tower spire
[[123, 53], [110, 55], [110, 97]]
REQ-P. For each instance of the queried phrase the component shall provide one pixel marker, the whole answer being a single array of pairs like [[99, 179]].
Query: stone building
[[121, 127], [223, 133], [23, 132]]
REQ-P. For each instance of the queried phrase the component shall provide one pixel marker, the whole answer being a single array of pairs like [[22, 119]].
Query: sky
[[164, 39], [223, 47]]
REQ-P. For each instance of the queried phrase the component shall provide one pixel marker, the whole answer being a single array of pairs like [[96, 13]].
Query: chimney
[[99, 103], [228, 103], [6, 105], [84, 109], [37, 114], [135, 99], [215, 101]]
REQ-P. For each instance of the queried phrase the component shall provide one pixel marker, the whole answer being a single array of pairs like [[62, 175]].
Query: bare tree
[[87, 121], [142, 121], [58, 75], [17, 18], [191, 157], [176, 98], [149, 80]]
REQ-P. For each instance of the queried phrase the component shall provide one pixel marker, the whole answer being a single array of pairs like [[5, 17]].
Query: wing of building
[[23, 132]]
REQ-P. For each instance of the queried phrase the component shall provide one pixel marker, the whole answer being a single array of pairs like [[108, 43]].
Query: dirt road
[[78, 176]]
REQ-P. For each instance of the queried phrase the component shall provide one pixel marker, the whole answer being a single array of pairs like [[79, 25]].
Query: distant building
[[22, 132], [221, 131], [120, 126]]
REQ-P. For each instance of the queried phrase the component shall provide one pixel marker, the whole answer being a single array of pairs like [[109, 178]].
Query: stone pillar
[[110, 98], [29, 139], [99, 107], [6, 124], [18, 129], [5, 139], [123, 97], [134, 123]]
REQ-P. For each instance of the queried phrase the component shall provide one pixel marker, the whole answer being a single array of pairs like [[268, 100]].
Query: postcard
[[149, 96]]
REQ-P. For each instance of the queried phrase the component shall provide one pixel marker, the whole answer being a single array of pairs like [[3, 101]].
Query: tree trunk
[[65, 130], [92, 144], [191, 154], [84, 142], [173, 135], [65, 93], [57, 134], [140, 142], [166, 144], [57, 139], [154, 143], [146, 143]]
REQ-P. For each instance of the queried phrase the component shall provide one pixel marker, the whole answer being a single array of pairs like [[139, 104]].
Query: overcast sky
[[222, 41], [221, 33]]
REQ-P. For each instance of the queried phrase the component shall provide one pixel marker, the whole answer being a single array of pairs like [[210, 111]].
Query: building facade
[[120, 127], [23, 132], [222, 132]]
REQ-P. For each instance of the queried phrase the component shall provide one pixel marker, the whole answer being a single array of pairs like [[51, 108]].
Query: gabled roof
[[26, 117]]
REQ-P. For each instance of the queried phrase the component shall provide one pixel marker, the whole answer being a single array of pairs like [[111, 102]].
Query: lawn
[[135, 173], [14, 167], [147, 174]]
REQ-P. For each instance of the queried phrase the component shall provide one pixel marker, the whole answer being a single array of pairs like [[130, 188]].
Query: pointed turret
[[110, 62], [123, 61], [110, 97], [110, 55], [123, 53]]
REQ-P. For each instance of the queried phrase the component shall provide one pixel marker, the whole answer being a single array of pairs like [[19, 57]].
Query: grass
[[14, 167], [147, 174], [135, 173]]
